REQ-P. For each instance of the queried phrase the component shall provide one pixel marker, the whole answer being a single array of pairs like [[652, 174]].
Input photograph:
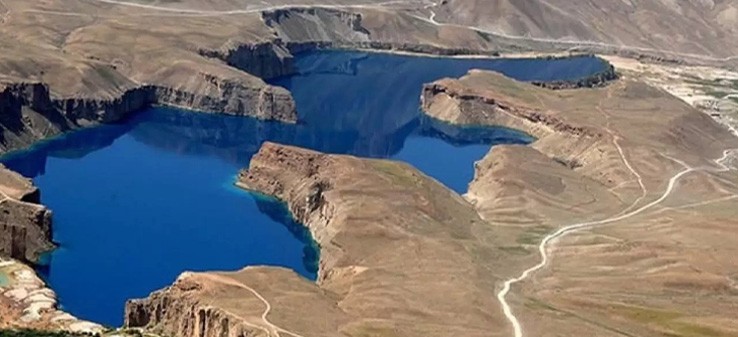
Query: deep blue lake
[[137, 203]]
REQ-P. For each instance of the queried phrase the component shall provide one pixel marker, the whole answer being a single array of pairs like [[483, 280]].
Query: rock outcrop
[[266, 60], [24, 223], [598, 79]]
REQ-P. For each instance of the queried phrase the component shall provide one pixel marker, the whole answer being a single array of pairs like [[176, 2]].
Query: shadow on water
[[278, 212], [73, 145], [137, 203]]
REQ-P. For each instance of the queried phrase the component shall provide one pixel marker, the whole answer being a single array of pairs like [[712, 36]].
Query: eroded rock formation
[[24, 223]]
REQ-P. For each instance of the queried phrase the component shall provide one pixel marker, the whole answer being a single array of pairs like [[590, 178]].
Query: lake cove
[[137, 203]]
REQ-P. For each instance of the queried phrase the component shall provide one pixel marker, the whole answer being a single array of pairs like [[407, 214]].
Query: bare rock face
[[233, 98], [25, 225], [449, 101], [31, 112], [598, 79], [231, 304], [334, 26], [266, 60]]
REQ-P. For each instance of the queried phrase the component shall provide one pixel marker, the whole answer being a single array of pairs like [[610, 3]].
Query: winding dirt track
[[542, 247], [271, 329]]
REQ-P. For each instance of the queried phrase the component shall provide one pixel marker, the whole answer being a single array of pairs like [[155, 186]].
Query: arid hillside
[[659, 264], [702, 27]]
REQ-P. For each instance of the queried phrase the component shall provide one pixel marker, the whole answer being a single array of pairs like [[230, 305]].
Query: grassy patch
[[397, 173], [377, 331], [669, 321], [535, 304], [516, 250], [528, 239], [711, 91], [533, 236], [38, 333]]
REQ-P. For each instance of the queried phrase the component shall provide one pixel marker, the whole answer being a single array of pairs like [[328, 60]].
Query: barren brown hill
[[660, 264], [705, 28]]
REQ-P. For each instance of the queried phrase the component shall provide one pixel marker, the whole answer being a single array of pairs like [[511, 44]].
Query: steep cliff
[[266, 59], [25, 225], [255, 301], [31, 113]]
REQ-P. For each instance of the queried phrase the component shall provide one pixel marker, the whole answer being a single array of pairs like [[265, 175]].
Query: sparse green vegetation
[[517, 250], [535, 304], [397, 173], [711, 91], [666, 320], [132, 332], [533, 236], [40, 333]]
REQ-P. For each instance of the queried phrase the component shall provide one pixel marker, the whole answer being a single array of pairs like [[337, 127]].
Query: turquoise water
[[137, 203], [3, 279]]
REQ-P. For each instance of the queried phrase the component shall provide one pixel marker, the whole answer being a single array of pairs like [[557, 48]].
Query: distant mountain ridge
[[704, 27]]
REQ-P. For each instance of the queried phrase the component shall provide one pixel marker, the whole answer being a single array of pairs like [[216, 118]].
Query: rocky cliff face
[[25, 225], [329, 25], [234, 304], [31, 113], [233, 98], [81, 111], [309, 206], [184, 316], [266, 59], [598, 79], [448, 101]]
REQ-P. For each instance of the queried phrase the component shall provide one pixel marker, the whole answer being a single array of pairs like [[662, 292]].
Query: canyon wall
[[31, 113], [24, 223]]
